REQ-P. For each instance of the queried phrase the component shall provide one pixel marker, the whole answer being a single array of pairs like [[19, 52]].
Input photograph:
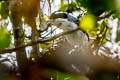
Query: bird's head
[[64, 24], [64, 21]]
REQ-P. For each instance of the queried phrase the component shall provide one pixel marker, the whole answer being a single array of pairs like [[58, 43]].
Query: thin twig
[[106, 16], [36, 42], [49, 33]]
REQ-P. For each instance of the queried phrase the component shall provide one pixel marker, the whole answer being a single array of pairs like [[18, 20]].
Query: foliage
[[88, 23], [97, 6], [69, 7], [4, 9], [5, 38], [57, 75]]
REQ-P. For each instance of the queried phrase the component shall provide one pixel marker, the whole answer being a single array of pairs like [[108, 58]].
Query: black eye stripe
[[64, 15]]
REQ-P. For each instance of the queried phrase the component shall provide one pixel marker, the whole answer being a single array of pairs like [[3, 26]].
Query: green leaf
[[57, 75], [88, 23], [63, 7], [116, 15], [3, 9], [5, 38], [43, 46], [71, 7], [104, 30]]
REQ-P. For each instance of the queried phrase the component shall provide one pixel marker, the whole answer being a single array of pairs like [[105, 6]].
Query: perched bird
[[71, 54], [74, 55], [67, 22]]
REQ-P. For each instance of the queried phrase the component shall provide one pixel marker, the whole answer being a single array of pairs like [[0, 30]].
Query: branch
[[3, 60], [38, 41], [107, 15]]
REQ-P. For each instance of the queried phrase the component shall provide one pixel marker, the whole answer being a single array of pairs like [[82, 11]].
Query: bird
[[76, 60], [66, 22], [76, 46]]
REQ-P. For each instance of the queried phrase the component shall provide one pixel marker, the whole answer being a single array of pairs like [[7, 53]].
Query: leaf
[[5, 38], [42, 46], [3, 9], [46, 18], [116, 15], [57, 75], [69, 7], [88, 23], [62, 2], [63, 7]]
